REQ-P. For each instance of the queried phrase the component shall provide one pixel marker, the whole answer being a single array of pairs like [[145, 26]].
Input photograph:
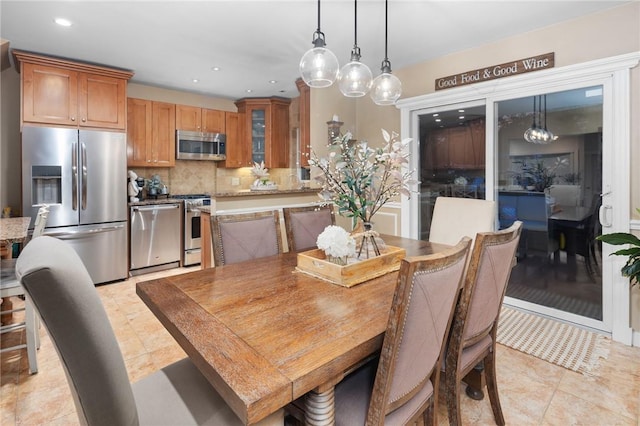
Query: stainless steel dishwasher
[[155, 237]]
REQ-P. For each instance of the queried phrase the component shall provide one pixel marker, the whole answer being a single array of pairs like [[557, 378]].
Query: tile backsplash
[[199, 177]]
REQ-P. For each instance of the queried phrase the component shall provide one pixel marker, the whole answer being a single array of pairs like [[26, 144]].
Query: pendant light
[[547, 136], [537, 133], [354, 79], [386, 88], [319, 66], [528, 134]]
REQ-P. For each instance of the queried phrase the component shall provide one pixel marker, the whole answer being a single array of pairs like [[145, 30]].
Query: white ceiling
[[170, 43]]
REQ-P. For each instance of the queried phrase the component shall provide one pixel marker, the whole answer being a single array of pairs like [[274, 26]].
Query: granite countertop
[[248, 192]]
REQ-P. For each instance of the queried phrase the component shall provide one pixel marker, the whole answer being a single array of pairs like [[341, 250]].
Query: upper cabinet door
[[101, 101], [188, 118], [139, 132], [164, 131], [63, 92], [49, 95], [213, 121]]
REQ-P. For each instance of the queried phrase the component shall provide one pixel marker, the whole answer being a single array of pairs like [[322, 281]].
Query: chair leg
[[33, 341], [476, 382], [452, 389], [492, 387]]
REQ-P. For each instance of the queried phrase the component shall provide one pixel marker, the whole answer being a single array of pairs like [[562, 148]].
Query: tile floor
[[533, 392]]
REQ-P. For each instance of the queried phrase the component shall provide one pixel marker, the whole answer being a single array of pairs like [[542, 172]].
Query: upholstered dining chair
[[454, 218], [402, 388], [304, 224], [10, 287], [61, 289], [472, 339], [245, 236]]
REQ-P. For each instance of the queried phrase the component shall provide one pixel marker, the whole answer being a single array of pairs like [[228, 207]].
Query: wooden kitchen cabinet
[[460, 147], [150, 133], [198, 119], [305, 123], [238, 153], [66, 93], [264, 130]]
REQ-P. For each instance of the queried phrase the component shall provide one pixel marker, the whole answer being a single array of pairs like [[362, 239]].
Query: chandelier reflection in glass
[[354, 79], [386, 88], [536, 133], [319, 66]]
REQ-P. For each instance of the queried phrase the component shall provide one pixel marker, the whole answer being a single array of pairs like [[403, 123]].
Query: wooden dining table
[[264, 334]]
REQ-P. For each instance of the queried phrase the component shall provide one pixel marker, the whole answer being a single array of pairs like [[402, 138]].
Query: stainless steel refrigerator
[[82, 176]]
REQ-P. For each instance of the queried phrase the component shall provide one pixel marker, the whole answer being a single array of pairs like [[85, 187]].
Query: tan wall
[[176, 97]]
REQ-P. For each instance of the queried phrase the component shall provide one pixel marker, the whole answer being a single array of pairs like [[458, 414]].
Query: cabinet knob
[[73, 119], [148, 161], [84, 120]]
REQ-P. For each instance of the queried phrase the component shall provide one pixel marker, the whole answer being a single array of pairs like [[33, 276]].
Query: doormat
[[553, 341]]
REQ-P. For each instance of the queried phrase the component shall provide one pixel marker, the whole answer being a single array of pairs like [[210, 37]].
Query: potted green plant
[[631, 269]]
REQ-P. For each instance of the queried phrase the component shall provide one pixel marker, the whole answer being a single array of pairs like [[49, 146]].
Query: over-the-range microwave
[[200, 146]]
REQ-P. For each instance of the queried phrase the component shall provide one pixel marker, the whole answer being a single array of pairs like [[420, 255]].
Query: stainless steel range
[[191, 246]]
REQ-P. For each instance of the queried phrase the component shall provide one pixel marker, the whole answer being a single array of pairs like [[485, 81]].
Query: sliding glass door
[[549, 176], [567, 185]]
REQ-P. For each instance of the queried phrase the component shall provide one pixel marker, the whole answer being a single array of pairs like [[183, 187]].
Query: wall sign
[[521, 66]]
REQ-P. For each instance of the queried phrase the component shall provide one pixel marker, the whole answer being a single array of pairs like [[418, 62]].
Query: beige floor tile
[[140, 367], [40, 406], [167, 355], [617, 392], [566, 409]]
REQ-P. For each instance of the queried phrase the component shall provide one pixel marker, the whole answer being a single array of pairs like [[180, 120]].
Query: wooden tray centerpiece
[[315, 263]]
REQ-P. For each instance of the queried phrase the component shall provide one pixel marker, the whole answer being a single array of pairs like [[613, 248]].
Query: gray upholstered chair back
[[304, 224], [492, 261], [420, 317], [61, 289], [246, 236]]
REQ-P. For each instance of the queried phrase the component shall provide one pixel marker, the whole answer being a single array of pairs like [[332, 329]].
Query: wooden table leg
[[320, 408]]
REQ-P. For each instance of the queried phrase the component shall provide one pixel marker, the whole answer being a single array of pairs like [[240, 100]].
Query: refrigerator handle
[[74, 178], [83, 148]]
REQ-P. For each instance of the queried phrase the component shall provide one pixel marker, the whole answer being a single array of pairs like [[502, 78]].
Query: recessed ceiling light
[[195, 80], [273, 81], [249, 90], [62, 22], [215, 68]]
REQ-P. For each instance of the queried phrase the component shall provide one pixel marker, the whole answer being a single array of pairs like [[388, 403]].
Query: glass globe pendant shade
[[319, 67], [354, 79], [386, 89]]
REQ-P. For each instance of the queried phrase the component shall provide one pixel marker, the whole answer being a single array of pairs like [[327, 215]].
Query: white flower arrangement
[[262, 177], [336, 242]]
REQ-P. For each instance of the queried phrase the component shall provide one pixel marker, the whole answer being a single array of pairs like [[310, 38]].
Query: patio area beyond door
[[549, 176]]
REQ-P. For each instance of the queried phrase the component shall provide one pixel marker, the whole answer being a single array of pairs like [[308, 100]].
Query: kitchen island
[[247, 201]]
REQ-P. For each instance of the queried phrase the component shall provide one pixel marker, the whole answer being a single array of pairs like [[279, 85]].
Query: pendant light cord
[[318, 30], [355, 24], [386, 15]]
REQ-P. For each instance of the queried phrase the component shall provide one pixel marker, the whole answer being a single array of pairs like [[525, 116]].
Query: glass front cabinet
[[264, 130]]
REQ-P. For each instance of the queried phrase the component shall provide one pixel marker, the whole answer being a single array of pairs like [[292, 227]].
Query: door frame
[[613, 74]]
